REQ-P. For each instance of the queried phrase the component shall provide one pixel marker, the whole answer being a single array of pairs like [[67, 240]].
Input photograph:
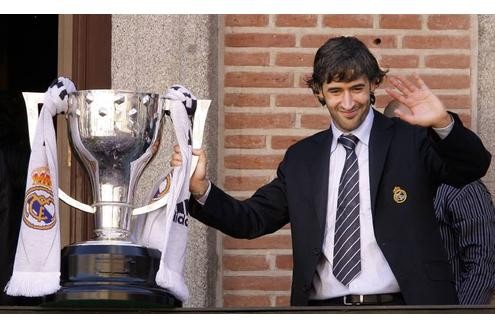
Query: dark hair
[[343, 59]]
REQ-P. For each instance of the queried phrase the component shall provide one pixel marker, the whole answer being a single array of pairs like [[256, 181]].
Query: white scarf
[[37, 259], [166, 229]]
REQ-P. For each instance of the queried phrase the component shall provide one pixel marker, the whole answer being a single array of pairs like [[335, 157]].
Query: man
[[389, 250], [466, 217]]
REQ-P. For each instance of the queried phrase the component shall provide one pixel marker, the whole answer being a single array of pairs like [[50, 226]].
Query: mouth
[[349, 113]]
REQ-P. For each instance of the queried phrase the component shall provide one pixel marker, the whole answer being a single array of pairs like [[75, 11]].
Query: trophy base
[[114, 275]]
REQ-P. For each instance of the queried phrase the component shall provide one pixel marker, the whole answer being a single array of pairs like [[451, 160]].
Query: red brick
[[449, 22], [348, 20], [456, 101], [262, 283], [282, 301], [245, 262], [447, 81], [284, 142], [245, 142], [259, 40], [260, 121], [232, 301], [379, 41], [252, 161], [246, 100], [246, 20], [314, 40], [448, 61], [399, 61], [296, 20], [284, 262], [296, 101], [371, 41], [244, 183], [400, 21], [294, 59], [436, 42], [258, 79], [315, 121], [265, 242], [247, 59]]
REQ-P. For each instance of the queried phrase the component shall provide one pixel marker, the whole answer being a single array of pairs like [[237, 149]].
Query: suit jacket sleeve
[[464, 158], [263, 213]]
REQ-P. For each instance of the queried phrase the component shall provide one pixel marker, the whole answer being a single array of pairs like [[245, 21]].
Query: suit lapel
[[319, 175], [380, 137]]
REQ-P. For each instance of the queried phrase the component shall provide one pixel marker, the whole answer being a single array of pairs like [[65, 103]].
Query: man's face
[[347, 102]]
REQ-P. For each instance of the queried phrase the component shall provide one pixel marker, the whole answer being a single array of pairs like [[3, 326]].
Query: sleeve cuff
[[202, 200], [444, 132]]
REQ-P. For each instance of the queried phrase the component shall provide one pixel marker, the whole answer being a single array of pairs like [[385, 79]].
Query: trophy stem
[[113, 221]]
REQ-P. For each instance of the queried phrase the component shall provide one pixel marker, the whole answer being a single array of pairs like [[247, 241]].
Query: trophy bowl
[[114, 133]]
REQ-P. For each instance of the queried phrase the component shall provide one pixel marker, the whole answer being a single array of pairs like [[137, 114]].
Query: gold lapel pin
[[400, 195]]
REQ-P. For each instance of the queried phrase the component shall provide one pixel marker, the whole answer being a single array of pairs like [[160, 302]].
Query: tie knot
[[348, 141]]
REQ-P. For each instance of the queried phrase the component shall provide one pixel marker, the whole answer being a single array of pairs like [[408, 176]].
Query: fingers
[[202, 161], [419, 81], [176, 159], [396, 95], [403, 85]]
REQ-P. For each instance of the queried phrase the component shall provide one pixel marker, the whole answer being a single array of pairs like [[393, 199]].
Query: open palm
[[426, 109]]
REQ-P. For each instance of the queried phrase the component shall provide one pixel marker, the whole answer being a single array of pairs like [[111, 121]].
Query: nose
[[347, 100]]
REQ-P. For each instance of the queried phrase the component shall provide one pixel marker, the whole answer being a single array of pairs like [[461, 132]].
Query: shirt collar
[[363, 131]]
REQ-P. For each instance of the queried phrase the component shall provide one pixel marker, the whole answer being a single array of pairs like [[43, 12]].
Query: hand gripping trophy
[[115, 134]]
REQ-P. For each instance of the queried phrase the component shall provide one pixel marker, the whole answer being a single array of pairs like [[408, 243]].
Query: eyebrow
[[359, 85]]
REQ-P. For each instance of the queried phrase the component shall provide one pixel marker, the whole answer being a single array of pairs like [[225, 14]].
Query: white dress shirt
[[376, 277]]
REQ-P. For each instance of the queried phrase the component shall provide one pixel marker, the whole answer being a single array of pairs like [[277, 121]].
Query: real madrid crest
[[39, 207], [163, 188], [400, 195]]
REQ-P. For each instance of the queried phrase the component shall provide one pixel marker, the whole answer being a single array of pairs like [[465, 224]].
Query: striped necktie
[[347, 248]]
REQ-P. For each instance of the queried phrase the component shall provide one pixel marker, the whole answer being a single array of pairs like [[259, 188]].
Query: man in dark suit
[[358, 196]]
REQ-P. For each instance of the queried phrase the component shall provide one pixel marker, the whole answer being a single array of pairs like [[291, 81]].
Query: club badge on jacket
[[400, 195]]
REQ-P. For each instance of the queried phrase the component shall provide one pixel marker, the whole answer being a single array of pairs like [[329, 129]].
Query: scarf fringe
[[173, 282], [33, 284]]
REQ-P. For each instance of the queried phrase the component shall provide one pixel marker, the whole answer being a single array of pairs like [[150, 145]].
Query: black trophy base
[[110, 275]]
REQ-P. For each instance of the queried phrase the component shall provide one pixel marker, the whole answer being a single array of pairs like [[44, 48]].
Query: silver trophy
[[115, 134]]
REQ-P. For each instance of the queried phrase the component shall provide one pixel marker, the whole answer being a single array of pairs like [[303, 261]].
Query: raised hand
[[198, 185], [426, 109]]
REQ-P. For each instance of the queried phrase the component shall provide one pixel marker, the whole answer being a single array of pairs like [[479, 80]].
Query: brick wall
[[266, 108]]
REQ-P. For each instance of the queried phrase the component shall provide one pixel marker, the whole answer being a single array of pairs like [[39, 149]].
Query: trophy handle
[[199, 121], [75, 203], [32, 99]]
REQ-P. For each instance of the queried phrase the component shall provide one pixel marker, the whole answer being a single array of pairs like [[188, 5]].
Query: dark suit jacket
[[401, 155]]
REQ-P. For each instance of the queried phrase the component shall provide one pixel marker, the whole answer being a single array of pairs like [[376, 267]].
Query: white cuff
[[202, 199], [444, 132]]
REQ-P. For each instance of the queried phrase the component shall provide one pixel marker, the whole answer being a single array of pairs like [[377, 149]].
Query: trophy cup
[[115, 134]]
